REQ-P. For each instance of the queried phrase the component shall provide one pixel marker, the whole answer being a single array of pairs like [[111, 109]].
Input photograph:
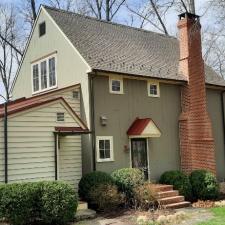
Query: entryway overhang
[[143, 128], [68, 131]]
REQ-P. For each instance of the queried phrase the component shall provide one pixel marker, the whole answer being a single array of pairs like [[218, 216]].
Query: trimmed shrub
[[59, 203], [180, 182], [204, 185], [18, 202], [48, 202], [127, 179], [106, 197], [93, 180], [144, 196]]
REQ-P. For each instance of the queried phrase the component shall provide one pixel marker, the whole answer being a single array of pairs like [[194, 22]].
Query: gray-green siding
[[215, 113], [121, 111]]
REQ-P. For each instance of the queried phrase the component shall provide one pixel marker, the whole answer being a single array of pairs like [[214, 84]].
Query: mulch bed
[[203, 204]]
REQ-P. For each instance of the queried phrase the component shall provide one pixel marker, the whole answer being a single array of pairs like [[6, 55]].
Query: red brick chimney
[[196, 138]]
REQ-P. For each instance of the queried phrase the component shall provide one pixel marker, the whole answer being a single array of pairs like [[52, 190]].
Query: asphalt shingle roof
[[118, 48]]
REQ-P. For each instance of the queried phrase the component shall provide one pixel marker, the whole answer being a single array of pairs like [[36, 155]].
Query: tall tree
[[9, 58], [104, 9]]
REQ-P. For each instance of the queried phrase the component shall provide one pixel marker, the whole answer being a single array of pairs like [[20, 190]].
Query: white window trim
[[121, 85], [158, 89], [39, 74], [110, 138]]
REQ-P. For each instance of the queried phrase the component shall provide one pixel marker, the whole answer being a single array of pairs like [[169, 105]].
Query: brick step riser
[[164, 188], [171, 201], [167, 194]]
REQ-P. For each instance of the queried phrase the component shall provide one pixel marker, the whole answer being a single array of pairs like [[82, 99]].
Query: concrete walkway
[[194, 216]]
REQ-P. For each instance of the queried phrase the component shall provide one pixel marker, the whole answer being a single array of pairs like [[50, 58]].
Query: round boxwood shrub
[[92, 180], [29, 203], [180, 182], [127, 179], [204, 185], [59, 203], [18, 203]]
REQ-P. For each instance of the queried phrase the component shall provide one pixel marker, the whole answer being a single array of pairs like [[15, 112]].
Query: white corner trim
[[110, 138], [68, 40]]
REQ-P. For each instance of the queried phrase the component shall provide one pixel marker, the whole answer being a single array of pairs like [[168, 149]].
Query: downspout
[[223, 116], [6, 140], [56, 155], [93, 120]]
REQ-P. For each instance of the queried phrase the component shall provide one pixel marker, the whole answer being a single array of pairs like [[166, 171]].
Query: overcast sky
[[171, 18]]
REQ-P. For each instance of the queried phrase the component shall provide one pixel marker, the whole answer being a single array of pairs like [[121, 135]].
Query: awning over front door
[[143, 128]]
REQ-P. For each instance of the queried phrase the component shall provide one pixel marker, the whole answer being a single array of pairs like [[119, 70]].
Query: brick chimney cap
[[188, 15]]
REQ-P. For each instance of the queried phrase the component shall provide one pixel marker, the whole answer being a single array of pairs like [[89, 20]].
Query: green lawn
[[219, 219]]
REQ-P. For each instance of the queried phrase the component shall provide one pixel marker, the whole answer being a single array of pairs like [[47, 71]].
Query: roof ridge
[[108, 22]]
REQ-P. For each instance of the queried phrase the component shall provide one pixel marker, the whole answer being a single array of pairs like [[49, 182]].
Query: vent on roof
[[60, 117], [42, 29]]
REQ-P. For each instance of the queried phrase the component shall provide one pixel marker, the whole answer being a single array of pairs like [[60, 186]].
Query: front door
[[139, 155]]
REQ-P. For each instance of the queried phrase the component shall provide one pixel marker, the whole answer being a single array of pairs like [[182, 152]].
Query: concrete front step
[[171, 200], [177, 205], [165, 194], [84, 214], [82, 205]]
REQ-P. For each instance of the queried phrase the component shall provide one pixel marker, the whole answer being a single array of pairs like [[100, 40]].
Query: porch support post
[[56, 155]]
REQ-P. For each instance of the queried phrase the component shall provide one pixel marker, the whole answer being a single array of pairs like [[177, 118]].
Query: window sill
[[154, 96], [105, 160], [116, 93], [44, 91]]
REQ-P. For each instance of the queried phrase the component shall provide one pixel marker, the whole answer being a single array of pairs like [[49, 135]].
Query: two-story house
[[145, 100]]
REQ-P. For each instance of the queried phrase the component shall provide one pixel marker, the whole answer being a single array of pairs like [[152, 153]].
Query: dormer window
[[42, 29], [153, 89], [116, 85], [44, 74]]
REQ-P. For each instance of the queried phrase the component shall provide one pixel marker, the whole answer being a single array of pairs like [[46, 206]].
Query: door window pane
[[139, 155]]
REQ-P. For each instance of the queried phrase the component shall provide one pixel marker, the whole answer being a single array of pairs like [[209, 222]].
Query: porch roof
[[143, 128], [71, 130]]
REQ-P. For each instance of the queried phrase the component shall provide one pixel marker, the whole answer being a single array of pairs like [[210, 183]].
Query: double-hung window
[[44, 74], [104, 149], [35, 78], [52, 78]]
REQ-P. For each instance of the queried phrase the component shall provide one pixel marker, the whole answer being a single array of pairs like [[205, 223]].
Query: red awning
[[143, 128]]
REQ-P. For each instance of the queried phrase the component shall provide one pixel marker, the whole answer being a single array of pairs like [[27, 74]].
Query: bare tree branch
[[159, 17]]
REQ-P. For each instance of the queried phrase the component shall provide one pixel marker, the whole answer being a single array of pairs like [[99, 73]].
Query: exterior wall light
[[103, 120]]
